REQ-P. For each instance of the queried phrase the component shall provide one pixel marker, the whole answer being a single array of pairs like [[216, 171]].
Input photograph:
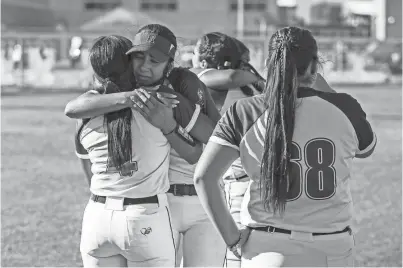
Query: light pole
[[240, 19]]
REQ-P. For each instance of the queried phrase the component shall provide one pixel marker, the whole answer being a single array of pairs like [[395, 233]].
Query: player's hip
[[299, 249], [134, 228]]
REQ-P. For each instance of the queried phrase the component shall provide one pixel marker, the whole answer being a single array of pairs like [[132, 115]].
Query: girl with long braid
[[127, 217], [297, 145]]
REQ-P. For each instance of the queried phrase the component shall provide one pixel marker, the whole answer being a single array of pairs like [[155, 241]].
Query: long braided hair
[[219, 51], [291, 51], [113, 74]]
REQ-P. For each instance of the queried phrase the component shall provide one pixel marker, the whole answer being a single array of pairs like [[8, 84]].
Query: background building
[[385, 17], [326, 13], [187, 18]]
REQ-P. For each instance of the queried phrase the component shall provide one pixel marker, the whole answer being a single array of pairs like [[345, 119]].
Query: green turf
[[44, 193]]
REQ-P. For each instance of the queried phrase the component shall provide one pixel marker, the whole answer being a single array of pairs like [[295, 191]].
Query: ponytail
[[112, 74], [280, 99], [118, 126]]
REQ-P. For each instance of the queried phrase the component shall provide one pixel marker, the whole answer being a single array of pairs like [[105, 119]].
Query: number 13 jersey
[[330, 130]]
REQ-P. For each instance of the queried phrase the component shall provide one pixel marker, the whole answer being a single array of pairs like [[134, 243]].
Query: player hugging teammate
[[142, 129], [150, 63]]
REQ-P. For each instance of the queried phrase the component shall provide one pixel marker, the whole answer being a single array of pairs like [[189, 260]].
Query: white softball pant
[[298, 249], [114, 235], [197, 241]]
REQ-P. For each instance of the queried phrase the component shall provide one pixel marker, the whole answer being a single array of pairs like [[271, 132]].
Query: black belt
[[182, 189], [272, 229], [231, 178], [128, 201], [242, 177]]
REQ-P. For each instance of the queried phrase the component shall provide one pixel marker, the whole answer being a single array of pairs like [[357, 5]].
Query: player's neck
[[306, 84], [306, 80]]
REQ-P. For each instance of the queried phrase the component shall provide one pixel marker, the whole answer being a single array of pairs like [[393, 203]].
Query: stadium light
[[240, 19]]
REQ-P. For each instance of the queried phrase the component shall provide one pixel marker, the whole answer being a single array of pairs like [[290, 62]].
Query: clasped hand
[[156, 109]]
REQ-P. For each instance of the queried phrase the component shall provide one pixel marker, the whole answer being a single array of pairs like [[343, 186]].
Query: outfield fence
[[51, 67]]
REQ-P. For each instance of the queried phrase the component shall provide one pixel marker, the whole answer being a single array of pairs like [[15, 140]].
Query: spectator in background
[[16, 56], [42, 51], [75, 51], [7, 51]]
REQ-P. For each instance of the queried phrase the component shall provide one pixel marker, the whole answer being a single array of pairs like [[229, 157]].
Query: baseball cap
[[156, 44]]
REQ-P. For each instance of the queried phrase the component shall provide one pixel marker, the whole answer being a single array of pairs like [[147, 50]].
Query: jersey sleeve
[[228, 131], [365, 135], [81, 152], [189, 85], [186, 113]]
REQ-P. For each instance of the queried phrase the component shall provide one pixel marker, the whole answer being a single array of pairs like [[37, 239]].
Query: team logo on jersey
[[146, 231]]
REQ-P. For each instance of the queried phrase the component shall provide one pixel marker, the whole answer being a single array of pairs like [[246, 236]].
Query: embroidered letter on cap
[[151, 38]]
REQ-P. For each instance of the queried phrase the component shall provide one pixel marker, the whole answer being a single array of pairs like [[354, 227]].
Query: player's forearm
[[213, 201], [227, 79], [214, 162], [203, 128], [91, 105], [187, 148]]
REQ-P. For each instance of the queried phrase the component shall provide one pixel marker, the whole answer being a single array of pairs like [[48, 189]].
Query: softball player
[[127, 217], [214, 54], [183, 202], [299, 168]]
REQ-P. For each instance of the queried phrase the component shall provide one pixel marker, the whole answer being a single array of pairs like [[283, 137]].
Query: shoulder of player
[[254, 104], [345, 102], [195, 71], [248, 110], [183, 74], [187, 83]]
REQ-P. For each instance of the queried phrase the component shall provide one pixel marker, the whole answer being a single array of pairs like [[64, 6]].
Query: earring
[[203, 64]]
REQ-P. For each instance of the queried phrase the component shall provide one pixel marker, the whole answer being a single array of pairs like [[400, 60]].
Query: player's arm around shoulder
[[93, 103], [228, 78]]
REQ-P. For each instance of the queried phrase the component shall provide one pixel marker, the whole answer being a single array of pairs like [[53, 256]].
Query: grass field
[[44, 193]]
